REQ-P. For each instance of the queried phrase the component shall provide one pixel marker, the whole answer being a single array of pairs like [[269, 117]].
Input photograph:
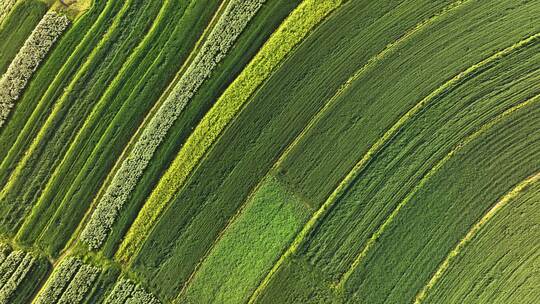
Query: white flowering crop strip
[[227, 29], [27, 60], [10, 286], [80, 285], [126, 291], [4, 252], [5, 8], [60, 279], [10, 265]]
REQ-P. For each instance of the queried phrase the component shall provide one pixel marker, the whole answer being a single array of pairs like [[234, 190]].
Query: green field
[[269, 151]]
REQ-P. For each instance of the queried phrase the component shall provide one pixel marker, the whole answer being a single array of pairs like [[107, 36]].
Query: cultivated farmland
[[269, 151]]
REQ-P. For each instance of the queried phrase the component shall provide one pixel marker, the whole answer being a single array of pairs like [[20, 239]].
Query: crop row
[[20, 23], [9, 283], [234, 19], [127, 291], [27, 60], [290, 33], [5, 8]]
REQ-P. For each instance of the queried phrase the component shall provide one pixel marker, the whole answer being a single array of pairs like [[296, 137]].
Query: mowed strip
[[290, 33], [33, 51]]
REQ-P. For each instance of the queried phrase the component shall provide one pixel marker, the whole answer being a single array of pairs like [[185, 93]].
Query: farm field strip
[[125, 289], [20, 274], [9, 162], [371, 242], [228, 28], [279, 45], [27, 60], [472, 233], [5, 9], [18, 26], [451, 113], [134, 26], [53, 198]]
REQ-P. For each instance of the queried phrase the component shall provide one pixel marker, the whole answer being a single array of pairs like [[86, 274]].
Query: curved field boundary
[[233, 21], [28, 59], [289, 34], [44, 202], [320, 214], [443, 267]]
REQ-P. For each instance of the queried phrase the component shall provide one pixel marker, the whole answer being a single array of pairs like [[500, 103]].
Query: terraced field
[[269, 151]]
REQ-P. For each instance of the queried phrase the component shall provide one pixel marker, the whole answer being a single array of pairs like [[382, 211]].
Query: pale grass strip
[[443, 267], [371, 242]]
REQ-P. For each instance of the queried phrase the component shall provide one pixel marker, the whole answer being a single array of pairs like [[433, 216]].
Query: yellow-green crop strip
[[290, 33]]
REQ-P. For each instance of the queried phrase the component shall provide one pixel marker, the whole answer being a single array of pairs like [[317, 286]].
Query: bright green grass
[[495, 266], [248, 247], [17, 27]]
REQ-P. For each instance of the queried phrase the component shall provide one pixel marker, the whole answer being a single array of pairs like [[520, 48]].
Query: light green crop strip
[[289, 34]]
